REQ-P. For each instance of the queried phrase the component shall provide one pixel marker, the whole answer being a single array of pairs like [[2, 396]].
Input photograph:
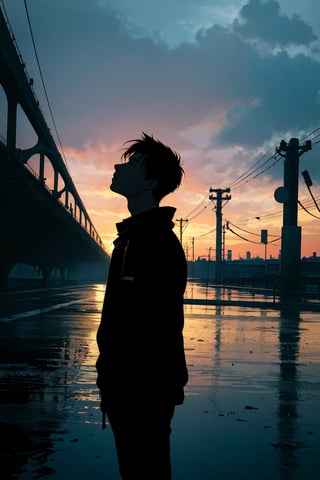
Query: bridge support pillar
[[5, 269], [46, 272]]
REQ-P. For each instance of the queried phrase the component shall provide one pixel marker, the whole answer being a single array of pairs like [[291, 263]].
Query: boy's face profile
[[129, 178]]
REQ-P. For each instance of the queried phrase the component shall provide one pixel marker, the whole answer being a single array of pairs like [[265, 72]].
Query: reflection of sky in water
[[252, 400], [264, 364], [209, 292]]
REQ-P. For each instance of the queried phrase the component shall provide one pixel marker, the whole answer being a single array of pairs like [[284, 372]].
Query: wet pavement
[[252, 402]]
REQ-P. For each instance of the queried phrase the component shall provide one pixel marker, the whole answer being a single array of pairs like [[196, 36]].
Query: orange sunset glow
[[212, 80], [252, 207]]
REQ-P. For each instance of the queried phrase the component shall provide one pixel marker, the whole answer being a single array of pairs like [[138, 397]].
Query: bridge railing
[[91, 230], [19, 55]]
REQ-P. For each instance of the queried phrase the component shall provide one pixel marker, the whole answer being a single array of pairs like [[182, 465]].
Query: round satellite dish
[[281, 195]]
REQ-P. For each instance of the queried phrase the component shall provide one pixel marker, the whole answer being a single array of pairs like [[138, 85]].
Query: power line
[[307, 211], [309, 203], [244, 174], [197, 214], [246, 231], [262, 218], [310, 134], [251, 241], [242, 238], [244, 177], [252, 169], [206, 234], [196, 208]]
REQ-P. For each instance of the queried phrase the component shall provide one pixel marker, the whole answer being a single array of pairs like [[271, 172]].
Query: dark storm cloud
[[263, 20], [266, 93], [102, 79], [287, 99]]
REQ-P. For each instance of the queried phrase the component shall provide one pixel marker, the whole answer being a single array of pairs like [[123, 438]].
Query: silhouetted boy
[[141, 367]]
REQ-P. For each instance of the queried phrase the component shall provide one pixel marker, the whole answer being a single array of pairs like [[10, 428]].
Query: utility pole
[[192, 263], [192, 239], [219, 197], [181, 221], [223, 241], [290, 269]]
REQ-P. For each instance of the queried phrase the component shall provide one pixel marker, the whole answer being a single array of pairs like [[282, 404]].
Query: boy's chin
[[115, 189]]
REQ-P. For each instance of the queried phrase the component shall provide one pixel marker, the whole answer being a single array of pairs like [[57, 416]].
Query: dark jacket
[[140, 336]]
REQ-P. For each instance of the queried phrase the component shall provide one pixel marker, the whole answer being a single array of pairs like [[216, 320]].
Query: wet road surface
[[252, 401]]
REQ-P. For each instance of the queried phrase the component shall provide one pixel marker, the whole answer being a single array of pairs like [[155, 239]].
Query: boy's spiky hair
[[161, 162]]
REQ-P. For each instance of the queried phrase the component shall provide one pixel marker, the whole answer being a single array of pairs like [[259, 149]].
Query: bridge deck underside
[[38, 230]]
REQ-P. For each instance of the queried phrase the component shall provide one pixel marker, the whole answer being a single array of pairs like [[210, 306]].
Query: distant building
[[254, 268]]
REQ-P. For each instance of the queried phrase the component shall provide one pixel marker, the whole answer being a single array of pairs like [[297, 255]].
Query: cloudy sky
[[220, 82]]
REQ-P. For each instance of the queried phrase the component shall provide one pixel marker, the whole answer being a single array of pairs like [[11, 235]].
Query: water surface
[[252, 402]]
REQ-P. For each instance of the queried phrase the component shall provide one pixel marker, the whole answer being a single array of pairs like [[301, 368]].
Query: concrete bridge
[[43, 219]]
